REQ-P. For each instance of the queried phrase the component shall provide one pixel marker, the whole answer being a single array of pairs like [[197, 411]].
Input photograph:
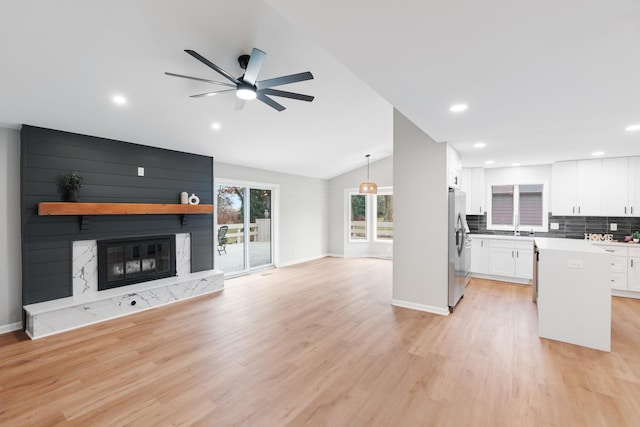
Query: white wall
[[10, 246], [303, 211], [420, 246], [516, 175], [381, 172]]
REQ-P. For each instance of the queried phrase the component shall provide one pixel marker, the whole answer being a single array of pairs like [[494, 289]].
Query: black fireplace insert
[[123, 262]]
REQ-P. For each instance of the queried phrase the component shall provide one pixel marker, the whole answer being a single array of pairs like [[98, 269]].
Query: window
[[518, 207], [384, 217], [370, 215], [358, 217]]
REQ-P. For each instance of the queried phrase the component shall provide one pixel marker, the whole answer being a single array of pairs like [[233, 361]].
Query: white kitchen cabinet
[[633, 280], [479, 256], [576, 188], [617, 266], [473, 186], [511, 258], [621, 186], [454, 167], [524, 260]]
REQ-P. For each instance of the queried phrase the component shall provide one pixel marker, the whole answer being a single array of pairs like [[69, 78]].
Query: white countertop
[[573, 245], [501, 237]]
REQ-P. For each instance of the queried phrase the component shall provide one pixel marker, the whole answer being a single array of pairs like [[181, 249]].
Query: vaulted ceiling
[[544, 81]]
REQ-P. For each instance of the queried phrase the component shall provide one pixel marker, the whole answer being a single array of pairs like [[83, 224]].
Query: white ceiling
[[544, 80]]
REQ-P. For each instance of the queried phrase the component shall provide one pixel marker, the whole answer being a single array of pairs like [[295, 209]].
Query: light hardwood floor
[[320, 344]]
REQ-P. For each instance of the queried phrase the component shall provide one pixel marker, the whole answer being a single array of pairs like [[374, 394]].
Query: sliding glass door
[[244, 223]]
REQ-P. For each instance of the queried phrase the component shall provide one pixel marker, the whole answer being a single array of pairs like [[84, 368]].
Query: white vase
[[184, 198]]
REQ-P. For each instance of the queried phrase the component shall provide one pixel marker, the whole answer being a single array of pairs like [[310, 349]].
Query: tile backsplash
[[570, 227]]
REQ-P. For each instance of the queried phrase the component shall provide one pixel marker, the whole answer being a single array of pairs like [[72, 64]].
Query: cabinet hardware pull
[[517, 254], [625, 210], [511, 254], [631, 210], [480, 209], [609, 250], [574, 210], [578, 209], [631, 263]]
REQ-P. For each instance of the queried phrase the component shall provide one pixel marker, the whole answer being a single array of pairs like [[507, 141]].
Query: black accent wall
[[110, 172]]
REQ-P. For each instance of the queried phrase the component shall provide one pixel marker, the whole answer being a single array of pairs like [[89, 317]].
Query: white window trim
[[545, 207], [381, 192], [367, 210]]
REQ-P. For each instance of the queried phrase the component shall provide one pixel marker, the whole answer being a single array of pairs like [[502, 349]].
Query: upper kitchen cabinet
[[576, 188], [621, 186], [473, 186], [454, 168]]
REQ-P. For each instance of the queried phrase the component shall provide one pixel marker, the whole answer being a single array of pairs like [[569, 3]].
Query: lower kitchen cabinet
[[524, 261], [479, 255], [633, 278], [502, 258], [624, 269]]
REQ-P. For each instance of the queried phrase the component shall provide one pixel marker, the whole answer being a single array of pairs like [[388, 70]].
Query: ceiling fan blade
[[239, 104], [285, 94], [202, 95], [270, 102], [208, 63], [278, 81], [200, 80], [253, 67]]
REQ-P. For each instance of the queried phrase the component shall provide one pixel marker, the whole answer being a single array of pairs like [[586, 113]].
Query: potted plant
[[69, 185], [636, 236]]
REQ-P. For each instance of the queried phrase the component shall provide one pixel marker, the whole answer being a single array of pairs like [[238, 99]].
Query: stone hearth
[[88, 305]]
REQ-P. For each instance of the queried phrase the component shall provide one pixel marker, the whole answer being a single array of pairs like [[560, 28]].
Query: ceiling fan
[[247, 87]]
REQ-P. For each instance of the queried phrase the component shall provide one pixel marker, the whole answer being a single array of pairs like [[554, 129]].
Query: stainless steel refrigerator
[[459, 247]]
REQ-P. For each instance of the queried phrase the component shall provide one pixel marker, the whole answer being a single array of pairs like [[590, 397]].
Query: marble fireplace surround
[[88, 305]]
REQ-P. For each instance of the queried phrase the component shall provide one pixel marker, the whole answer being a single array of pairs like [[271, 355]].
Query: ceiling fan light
[[246, 93]]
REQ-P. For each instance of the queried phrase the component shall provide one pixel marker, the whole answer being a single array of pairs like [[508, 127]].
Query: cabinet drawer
[[524, 245], [618, 281], [618, 264], [615, 250], [506, 244], [634, 252]]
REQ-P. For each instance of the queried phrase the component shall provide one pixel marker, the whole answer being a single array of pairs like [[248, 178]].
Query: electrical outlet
[[140, 171], [575, 263], [554, 226], [614, 226]]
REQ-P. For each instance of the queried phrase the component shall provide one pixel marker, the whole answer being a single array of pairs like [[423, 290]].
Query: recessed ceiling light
[[489, 162], [458, 108], [480, 144], [516, 164], [598, 153], [215, 126], [632, 128], [119, 100]]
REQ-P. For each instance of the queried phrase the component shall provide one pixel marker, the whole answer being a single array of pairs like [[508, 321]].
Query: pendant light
[[368, 187]]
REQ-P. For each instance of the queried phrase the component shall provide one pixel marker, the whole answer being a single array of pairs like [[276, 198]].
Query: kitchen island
[[573, 292]]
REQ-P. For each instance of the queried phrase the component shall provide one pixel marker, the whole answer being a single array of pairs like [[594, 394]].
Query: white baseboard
[[516, 280], [625, 294], [10, 327], [420, 307], [300, 261]]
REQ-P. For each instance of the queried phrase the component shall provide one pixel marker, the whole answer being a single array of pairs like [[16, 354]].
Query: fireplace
[[123, 262]]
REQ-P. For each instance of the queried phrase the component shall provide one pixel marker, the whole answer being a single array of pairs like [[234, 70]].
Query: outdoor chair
[[222, 240]]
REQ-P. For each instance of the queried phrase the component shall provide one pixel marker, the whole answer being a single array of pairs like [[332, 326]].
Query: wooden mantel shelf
[[72, 208]]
